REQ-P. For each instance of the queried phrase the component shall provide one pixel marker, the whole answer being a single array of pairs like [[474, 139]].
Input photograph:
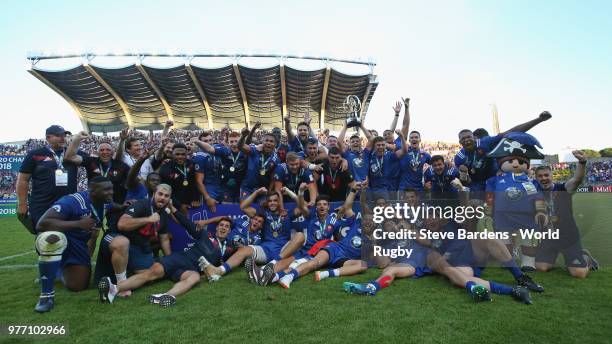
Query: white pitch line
[[17, 267], [16, 255]]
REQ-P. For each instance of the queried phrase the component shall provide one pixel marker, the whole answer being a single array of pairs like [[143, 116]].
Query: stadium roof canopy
[[195, 97]]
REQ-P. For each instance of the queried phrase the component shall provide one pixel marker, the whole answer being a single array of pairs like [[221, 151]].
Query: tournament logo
[[513, 193]]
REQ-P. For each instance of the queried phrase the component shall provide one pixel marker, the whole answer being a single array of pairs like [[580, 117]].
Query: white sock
[[527, 260], [323, 274], [121, 277], [275, 278], [336, 273]]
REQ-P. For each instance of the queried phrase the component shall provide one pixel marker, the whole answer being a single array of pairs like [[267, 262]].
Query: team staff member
[[51, 176], [103, 165]]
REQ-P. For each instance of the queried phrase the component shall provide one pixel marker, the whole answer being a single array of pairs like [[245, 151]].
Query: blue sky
[[452, 58]]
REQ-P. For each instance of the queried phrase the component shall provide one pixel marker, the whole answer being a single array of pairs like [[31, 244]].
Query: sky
[[451, 58]]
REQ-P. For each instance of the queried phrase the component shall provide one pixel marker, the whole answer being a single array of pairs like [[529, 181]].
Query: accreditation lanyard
[[59, 160], [101, 166]]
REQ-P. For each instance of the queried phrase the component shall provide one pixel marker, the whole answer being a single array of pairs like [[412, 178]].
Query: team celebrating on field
[[306, 207]]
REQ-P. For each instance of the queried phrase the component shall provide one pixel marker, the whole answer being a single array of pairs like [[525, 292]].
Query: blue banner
[[181, 240], [9, 168]]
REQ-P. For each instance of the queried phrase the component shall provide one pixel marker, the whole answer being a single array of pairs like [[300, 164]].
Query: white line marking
[[16, 255]]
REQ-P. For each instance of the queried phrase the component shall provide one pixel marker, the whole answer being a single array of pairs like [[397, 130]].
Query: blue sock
[[294, 273], [227, 268], [469, 285], [332, 273], [281, 274], [499, 288], [513, 268], [47, 272], [376, 285]]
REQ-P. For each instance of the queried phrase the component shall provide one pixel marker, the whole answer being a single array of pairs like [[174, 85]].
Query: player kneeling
[[181, 267]]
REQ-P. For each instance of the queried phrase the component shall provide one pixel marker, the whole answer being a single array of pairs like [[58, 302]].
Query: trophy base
[[351, 123]]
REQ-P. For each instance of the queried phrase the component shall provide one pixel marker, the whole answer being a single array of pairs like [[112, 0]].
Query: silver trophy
[[353, 105]]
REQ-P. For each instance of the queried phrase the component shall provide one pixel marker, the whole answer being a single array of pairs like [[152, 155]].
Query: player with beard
[[558, 197], [65, 235], [472, 162], [129, 243], [298, 143], [51, 177], [291, 175], [183, 268], [438, 178], [261, 162], [179, 174], [358, 157], [103, 165]]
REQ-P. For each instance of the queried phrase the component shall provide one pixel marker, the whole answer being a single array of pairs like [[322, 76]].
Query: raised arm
[[348, 203], [205, 146], [406, 120], [290, 135], [246, 207], [572, 184], [400, 152], [123, 135], [523, 127], [71, 152], [301, 203], [341, 143], [132, 178], [368, 135], [244, 148], [396, 109]]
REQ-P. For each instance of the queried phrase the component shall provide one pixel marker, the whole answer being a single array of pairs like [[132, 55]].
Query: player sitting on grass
[[454, 259], [318, 231], [343, 256], [181, 267], [276, 233]]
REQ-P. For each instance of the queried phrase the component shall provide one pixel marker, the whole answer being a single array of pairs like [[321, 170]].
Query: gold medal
[[232, 169], [59, 172], [275, 234], [185, 183], [554, 219], [473, 171], [262, 172]]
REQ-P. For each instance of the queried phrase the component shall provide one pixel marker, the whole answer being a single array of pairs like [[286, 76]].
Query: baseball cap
[[56, 130]]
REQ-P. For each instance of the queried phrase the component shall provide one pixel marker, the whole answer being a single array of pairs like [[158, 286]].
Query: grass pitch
[[232, 310]]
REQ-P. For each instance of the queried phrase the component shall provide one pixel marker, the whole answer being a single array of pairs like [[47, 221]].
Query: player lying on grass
[[275, 235], [452, 258], [65, 232], [343, 256], [318, 230], [181, 267]]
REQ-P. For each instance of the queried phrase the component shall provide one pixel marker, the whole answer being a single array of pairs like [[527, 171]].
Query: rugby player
[[65, 231], [558, 197]]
